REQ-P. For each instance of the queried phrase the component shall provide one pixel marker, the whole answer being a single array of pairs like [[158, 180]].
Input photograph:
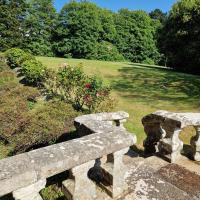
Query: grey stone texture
[[163, 129], [21, 171], [100, 123], [30, 192], [79, 186], [113, 172], [104, 150]]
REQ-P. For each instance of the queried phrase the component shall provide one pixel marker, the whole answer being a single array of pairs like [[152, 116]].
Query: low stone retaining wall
[[163, 128], [25, 175]]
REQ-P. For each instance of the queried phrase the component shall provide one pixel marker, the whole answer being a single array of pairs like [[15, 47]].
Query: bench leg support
[[30, 192], [114, 173], [195, 143], [80, 186]]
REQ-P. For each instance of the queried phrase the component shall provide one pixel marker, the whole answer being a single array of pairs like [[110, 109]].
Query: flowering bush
[[72, 85]]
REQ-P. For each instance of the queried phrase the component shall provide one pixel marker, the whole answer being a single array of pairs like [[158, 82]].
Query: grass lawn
[[142, 89]]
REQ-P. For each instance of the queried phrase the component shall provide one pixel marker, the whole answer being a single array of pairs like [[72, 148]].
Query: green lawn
[[142, 89]]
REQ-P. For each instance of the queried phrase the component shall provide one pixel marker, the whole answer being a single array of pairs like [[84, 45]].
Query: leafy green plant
[[94, 93], [44, 126], [107, 51], [15, 57], [73, 86], [33, 71]]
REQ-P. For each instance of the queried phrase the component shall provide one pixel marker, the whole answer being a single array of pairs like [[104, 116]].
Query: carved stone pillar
[[30, 192], [114, 173], [79, 186], [177, 145], [171, 145], [154, 133], [195, 143]]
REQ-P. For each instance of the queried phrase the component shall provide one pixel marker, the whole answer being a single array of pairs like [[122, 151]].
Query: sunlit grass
[[142, 89]]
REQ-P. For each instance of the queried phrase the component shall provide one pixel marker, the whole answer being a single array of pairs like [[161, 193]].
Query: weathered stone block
[[80, 187], [30, 192], [163, 128], [114, 173]]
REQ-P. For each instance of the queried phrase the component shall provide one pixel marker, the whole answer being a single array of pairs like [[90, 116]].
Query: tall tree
[[12, 14], [81, 27], [159, 15], [180, 37], [136, 36], [40, 22], [78, 29]]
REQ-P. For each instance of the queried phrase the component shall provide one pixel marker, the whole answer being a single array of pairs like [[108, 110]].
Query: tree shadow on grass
[[150, 85]]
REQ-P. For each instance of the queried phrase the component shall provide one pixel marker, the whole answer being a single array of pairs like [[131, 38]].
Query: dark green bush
[[33, 71], [15, 57], [44, 126], [107, 51]]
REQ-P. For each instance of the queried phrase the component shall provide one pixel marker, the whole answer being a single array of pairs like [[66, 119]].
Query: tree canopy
[[80, 29], [12, 13], [135, 36], [159, 15], [180, 36], [83, 30], [39, 23]]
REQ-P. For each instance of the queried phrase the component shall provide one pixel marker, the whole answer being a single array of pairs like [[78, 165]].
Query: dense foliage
[[135, 36], [39, 24], [180, 37], [13, 106], [44, 126], [12, 15], [31, 116], [72, 85], [26, 123], [15, 57], [33, 71], [83, 30], [158, 15]]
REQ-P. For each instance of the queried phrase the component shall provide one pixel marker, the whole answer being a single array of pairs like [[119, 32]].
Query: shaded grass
[[142, 89]]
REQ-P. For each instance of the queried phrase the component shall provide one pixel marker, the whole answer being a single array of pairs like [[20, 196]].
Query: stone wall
[[25, 175]]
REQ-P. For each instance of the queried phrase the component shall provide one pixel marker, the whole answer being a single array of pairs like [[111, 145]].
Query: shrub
[[107, 51], [3, 65], [148, 61], [6, 76], [44, 126], [72, 85], [13, 107], [51, 87], [12, 114], [95, 93], [15, 57], [33, 71]]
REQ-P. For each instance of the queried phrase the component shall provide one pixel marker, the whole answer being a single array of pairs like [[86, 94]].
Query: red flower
[[88, 85]]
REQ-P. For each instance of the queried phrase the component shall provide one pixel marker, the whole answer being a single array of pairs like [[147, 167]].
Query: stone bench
[[163, 128], [25, 175], [98, 123]]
